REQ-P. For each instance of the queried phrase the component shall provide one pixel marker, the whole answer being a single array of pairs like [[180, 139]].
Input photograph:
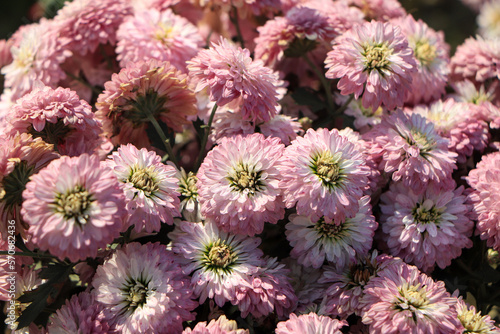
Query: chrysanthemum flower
[[150, 187], [310, 324], [432, 55], [324, 174], [269, 290], [477, 59], [144, 290], [455, 121], [284, 127], [189, 205], [485, 180], [37, 54], [403, 300], [373, 60], [472, 321], [479, 99], [74, 206], [59, 117], [233, 77], [380, 10], [336, 242], [21, 156], [220, 326], [88, 24], [143, 90], [428, 228], [413, 151], [238, 184], [219, 262], [80, 314], [345, 288], [364, 118], [487, 20], [164, 36]]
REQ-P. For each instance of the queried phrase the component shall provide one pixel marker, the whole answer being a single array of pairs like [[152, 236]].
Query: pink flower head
[[413, 151], [59, 117], [432, 55], [21, 156], [310, 324], [324, 174], [73, 207], [456, 122], [150, 187], [336, 242], [364, 118], [238, 184], [479, 100], [345, 287], [88, 24], [140, 89], [80, 314], [428, 228], [472, 321], [233, 77], [485, 180], [220, 326], [373, 60], [404, 300], [164, 36], [380, 10], [220, 263], [284, 127], [144, 290], [37, 54], [477, 59], [269, 290]]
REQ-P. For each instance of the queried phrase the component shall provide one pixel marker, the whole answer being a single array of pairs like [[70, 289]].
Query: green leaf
[[306, 97]]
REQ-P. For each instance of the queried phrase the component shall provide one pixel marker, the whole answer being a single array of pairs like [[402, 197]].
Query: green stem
[[204, 140], [30, 254], [324, 82], [166, 142], [345, 105], [95, 90], [235, 21]]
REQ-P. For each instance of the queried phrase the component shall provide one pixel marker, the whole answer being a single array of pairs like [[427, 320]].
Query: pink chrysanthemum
[[485, 180], [380, 10], [59, 117], [238, 184], [37, 54], [364, 118], [432, 55], [456, 122], [220, 326], [284, 127], [487, 20], [345, 288], [80, 314], [89, 24], [472, 321], [335, 242], [428, 228], [143, 90], [310, 324], [477, 59], [404, 300], [479, 100], [150, 187], [74, 206], [269, 290], [413, 151], [5, 55], [164, 36], [144, 290], [373, 60], [220, 262], [21, 156], [233, 77], [324, 174]]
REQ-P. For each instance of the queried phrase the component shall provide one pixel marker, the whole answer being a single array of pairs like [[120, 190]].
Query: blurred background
[[451, 16]]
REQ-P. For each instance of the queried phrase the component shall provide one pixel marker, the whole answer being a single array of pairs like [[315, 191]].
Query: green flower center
[[143, 179], [187, 186], [328, 230], [74, 204], [424, 52], [327, 168], [361, 273], [412, 297], [219, 257], [244, 178], [473, 322], [426, 216], [14, 183], [376, 57], [135, 294], [419, 139]]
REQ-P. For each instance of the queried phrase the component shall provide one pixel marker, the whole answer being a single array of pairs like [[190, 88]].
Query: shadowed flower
[[310, 324]]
